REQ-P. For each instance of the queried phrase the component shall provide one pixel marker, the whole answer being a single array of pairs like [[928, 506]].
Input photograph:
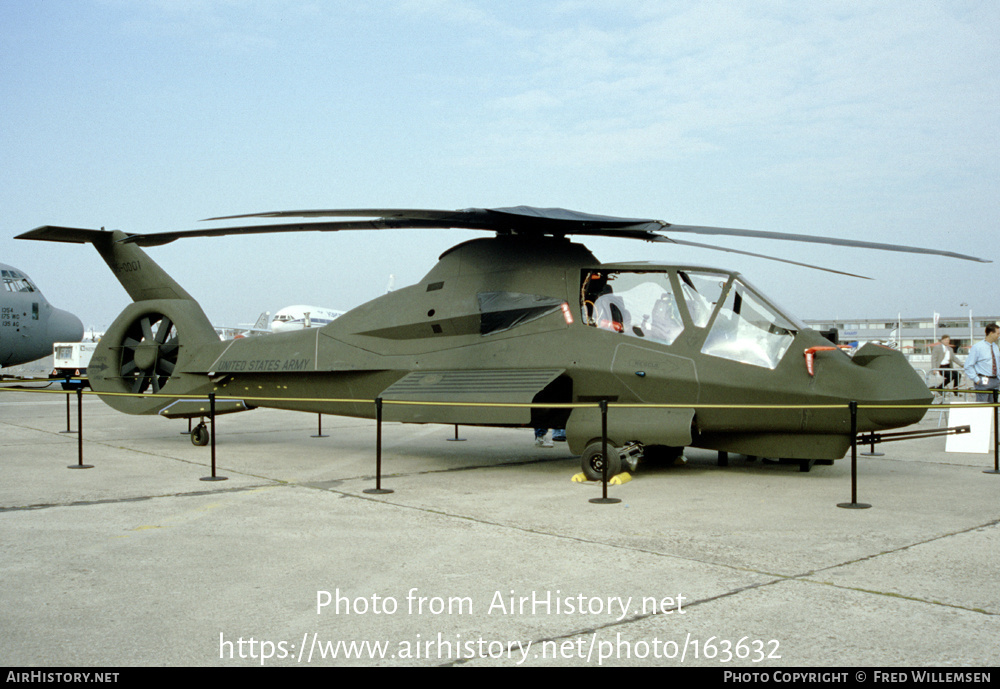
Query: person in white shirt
[[981, 365], [944, 361]]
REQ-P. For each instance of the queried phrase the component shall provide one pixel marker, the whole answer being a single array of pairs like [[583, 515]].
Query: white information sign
[[980, 439]]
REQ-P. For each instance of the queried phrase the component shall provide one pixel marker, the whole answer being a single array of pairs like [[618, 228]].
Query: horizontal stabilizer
[[73, 235], [191, 408]]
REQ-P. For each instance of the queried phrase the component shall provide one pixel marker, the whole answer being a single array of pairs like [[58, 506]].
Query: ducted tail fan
[[149, 353]]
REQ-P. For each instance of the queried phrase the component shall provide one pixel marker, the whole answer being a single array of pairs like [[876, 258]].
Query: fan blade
[[147, 329], [163, 331], [169, 350]]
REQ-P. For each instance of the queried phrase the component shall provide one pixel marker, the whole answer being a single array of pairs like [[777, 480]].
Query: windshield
[[13, 281], [742, 325], [701, 293], [749, 330]]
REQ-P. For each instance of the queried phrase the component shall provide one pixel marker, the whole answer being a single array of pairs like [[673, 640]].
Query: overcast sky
[[864, 120]]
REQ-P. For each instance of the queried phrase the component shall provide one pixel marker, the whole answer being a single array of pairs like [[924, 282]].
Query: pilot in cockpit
[[610, 313], [601, 307]]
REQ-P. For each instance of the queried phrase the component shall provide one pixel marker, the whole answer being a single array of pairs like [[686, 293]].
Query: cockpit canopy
[[660, 304], [15, 281]]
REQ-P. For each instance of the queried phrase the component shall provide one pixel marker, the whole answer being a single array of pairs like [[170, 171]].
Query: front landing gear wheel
[[593, 462], [200, 435]]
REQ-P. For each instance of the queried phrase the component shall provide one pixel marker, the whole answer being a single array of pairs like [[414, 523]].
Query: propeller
[[149, 352]]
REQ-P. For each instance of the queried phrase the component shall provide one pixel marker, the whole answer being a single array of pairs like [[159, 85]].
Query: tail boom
[[156, 345]]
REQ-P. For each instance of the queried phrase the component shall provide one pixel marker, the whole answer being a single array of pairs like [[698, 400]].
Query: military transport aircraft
[[29, 325], [525, 316]]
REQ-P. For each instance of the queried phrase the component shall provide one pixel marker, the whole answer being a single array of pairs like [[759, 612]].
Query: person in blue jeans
[[558, 435]]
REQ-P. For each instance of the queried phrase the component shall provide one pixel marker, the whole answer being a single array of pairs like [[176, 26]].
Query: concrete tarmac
[[485, 554]]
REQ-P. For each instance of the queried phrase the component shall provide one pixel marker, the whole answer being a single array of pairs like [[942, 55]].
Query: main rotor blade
[[469, 220], [159, 238], [836, 241], [491, 217], [523, 220], [771, 258], [563, 221], [413, 213]]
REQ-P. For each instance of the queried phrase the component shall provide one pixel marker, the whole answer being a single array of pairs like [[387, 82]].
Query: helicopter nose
[[65, 327], [893, 383]]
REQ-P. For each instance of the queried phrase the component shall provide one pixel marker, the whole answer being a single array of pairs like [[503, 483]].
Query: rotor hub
[[145, 356]]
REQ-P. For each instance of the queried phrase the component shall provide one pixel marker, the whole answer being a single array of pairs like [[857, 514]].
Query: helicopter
[[525, 318]]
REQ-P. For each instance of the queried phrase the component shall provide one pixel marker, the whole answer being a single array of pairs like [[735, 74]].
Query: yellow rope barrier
[[526, 405]]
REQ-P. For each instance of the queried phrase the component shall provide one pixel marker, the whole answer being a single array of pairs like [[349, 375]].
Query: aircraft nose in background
[[65, 327]]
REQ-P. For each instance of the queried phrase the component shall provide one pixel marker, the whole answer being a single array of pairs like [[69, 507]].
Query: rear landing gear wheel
[[200, 435], [592, 462]]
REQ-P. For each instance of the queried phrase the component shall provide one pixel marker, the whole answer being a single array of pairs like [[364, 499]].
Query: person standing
[[981, 364], [943, 360], [558, 435]]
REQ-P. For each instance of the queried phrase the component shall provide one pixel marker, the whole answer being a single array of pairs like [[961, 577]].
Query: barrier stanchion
[[211, 415], [854, 504], [79, 432], [996, 441], [456, 438], [604, 406], [67, 415], [378, 489], [872, 452], [319, 431], [604, 499]]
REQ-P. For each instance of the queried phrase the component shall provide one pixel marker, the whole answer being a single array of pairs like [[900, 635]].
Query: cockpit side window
[[638, 304], [749, 330], [500, 311]]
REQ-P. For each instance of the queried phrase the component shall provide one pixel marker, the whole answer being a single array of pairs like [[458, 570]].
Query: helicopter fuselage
[[505, 322]]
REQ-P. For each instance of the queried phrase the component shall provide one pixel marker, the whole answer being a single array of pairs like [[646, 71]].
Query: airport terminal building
[[913, 336]]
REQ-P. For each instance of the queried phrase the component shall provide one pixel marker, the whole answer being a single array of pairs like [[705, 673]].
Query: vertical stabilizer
[[135, 270], [157, 344]]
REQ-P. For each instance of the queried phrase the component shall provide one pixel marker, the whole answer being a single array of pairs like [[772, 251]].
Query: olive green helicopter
[[525, 318]]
